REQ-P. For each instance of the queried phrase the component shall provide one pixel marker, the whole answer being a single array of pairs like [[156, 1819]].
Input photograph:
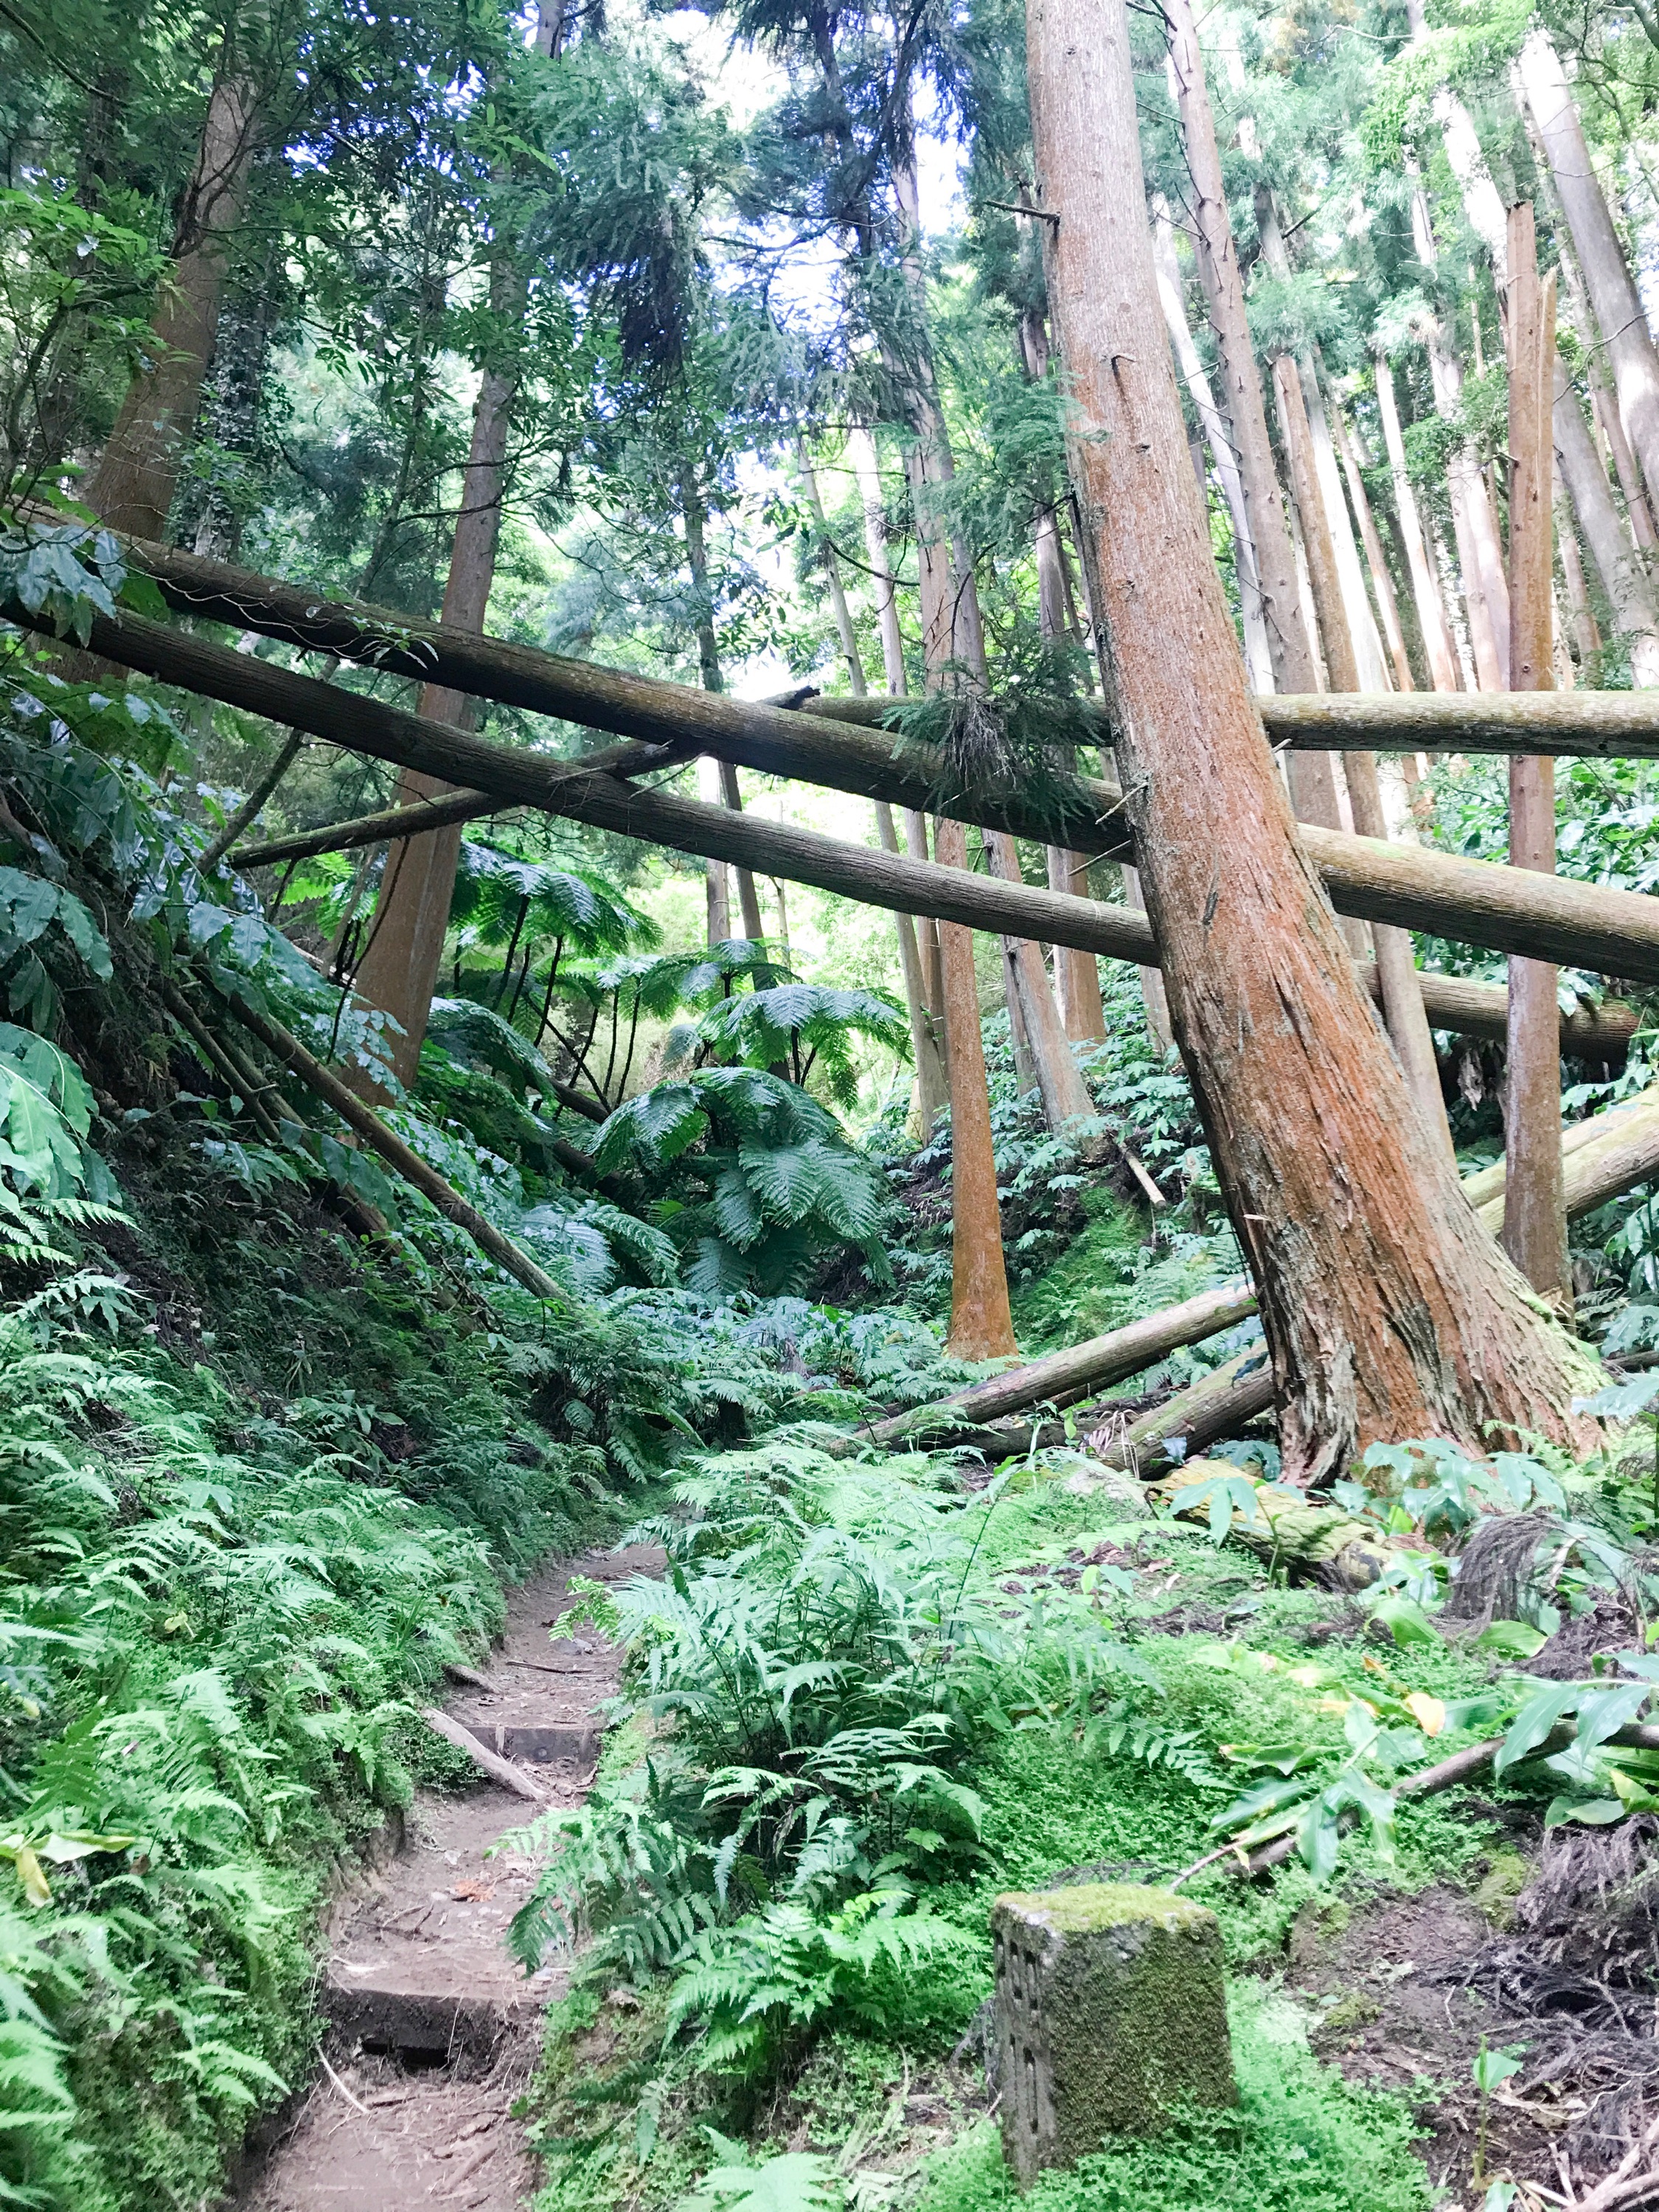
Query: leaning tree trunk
[[1389, 1311], [133, 485], [1624, 333], [1623, 579]]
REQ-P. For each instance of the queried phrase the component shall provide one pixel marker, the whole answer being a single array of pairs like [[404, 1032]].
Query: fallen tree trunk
[[487, 1761], [1452, 1002], [1596, 724], [1508, 909], [398, 1156], [1062, 1378], [1577, 925], [1216, 1406], [1591, 725], [1461, 1766], [1602, 1158]]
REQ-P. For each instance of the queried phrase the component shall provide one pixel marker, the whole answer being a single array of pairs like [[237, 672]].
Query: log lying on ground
[[398, 1156], [1575, 925], [1218, 1404], [1063, 1378], [1509, 910], [1339, 1550], [487, 1761]]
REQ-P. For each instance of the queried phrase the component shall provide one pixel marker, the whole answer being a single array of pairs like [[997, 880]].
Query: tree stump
[[1109, 2010]]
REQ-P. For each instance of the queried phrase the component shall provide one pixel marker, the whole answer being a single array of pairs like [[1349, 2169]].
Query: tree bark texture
[[1388, 1313], [1624, 333], [1534, 1223], [132, 487]]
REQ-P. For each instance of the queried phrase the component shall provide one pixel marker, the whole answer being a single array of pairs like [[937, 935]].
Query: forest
[[830, 1106]]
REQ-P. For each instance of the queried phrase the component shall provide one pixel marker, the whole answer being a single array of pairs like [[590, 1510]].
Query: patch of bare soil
[[1554, 1960], [432, 2027]]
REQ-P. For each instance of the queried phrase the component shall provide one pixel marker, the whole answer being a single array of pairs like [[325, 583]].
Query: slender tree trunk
[[1396, 967], [1077, 977], [1604, 405], [862, 447], [1222, 451], [1629, 344], [981, 1322], [1376, 561], [1389, 1313], [1154, 996], [708, 669], [399, 970], [930, 1068], [1586, 635], [1624, 579], [1425, 590], [716, 877], [1218, 262], [1535, 1217], [133, 486], [932, 1089]]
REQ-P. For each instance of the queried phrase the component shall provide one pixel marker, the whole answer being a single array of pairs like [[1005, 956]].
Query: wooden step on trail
[[433, 2027]]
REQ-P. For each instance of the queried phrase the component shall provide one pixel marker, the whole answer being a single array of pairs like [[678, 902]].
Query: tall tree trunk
[[1534, 1215], [399, 970], [1222, 451], [861, 446], [716, 877], [1624, 332], [695, 518], [957, 627], [1624, 579], [133, 486], [1586, 635], [981, 1322], [1077, 976], [1388, 1312], [1425, 590], [1479, 558], [924, 1049]]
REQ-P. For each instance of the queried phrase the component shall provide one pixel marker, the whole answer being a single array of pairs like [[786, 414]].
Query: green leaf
[[1513, 1639], [1532, 1723]]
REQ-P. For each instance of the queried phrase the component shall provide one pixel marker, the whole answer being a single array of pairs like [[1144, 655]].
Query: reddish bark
[[1389, 1311]]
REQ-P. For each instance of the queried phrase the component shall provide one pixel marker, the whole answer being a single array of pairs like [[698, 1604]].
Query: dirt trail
[[432, 2027]]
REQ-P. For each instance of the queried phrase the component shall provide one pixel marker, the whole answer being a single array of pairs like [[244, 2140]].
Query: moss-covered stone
[[1109, 2011]]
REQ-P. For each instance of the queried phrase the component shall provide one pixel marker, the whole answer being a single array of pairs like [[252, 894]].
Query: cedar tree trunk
[[1389, 1313]]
